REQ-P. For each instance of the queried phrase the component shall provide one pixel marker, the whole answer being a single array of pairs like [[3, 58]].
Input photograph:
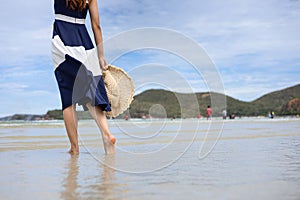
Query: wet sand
[[162, 159]]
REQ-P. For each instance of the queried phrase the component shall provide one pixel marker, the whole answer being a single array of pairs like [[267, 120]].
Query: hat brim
[[120, 90]]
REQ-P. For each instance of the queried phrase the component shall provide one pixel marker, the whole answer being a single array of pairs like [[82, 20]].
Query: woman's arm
[[95, 21]]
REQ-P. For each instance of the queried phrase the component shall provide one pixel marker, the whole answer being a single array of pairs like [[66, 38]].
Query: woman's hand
[[103, 64]]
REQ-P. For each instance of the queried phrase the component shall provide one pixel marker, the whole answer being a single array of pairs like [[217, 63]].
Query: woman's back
[[60, 7]]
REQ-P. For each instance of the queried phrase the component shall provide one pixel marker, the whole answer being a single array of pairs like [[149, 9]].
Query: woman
[[78, 67]]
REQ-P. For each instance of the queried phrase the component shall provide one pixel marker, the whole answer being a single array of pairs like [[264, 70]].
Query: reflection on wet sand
[[70, 183], [103, 184], [107, 184]]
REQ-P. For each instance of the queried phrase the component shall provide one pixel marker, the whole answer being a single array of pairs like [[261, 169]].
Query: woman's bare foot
[[109, 144], [112, 139]]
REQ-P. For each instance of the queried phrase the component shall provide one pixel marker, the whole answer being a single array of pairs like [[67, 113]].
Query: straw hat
[[120, 89]]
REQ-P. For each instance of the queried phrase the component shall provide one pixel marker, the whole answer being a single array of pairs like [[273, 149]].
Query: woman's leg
[[108, 139], [71, 124]]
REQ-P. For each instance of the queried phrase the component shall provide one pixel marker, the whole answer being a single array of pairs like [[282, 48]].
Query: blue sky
[[254, 44]]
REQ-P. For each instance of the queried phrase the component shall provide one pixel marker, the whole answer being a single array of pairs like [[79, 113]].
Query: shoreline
[[203, 119]]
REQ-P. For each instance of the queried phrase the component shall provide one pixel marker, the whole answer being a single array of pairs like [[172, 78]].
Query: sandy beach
[[160, 159]]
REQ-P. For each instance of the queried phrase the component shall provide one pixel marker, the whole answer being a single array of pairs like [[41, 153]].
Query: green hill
[[173, 103], [282, 102], [144, 101]]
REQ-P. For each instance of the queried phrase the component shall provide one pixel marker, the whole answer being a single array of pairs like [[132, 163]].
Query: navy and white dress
[[76, 65]]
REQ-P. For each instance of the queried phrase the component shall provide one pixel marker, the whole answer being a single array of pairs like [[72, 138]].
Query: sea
[[244, 158]]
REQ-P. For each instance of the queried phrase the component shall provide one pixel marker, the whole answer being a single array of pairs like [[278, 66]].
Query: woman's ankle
[[74, 149]]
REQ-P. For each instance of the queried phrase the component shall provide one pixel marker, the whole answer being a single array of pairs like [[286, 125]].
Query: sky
[[254, 45]]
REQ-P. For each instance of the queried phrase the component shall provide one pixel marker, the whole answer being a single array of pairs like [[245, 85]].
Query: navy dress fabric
[[75, 60]]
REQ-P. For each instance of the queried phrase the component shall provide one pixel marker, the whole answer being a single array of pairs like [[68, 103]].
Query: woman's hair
[[76, 4]]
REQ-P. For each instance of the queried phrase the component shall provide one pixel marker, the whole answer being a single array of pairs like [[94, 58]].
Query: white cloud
[[12, 87]]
